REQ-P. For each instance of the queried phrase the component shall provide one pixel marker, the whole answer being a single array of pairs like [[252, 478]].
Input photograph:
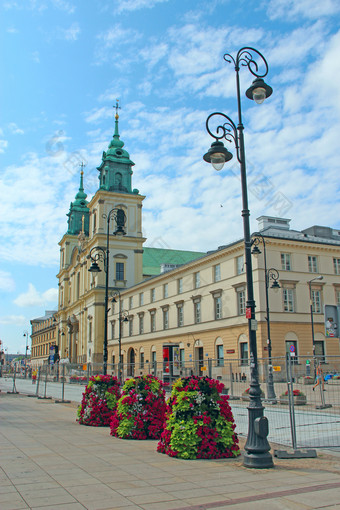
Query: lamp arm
[[98, 256], [227, 130], [245, 58]]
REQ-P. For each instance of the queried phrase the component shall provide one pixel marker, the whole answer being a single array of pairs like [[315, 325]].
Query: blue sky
[[64, 63]]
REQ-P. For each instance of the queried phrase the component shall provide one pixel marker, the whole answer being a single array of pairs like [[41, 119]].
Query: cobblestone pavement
[[48, 461]]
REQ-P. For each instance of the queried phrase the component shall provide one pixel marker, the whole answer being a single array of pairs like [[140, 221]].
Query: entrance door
[[199, 360], [131, 363]]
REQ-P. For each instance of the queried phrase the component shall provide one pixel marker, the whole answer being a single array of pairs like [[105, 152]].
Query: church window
[[120, 271]]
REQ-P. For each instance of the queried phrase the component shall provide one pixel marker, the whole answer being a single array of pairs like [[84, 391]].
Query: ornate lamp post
[[122, 317], [26, 334], [120, 218], [271, 276], [257, 447], [311, 315]]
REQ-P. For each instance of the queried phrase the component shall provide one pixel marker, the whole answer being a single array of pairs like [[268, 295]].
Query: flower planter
[[299, 400], [99, 401], [245, 396], [305, 380], [199, 421]]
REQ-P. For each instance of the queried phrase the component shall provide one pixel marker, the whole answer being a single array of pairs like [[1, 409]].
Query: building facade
[[192, 302], [43, 339]]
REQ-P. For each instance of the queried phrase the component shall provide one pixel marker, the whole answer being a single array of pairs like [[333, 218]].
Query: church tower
[[108, 230]]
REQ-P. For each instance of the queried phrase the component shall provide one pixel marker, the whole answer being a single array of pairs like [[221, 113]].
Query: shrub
[[296, 393], [99, 401], [140, 412], [199, 421]]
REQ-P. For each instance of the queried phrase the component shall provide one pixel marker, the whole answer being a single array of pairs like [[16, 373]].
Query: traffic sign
[[292, 348], [277, 369]]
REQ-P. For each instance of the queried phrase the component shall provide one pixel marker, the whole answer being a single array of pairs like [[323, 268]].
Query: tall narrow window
[[180, 285], [197, 312], [244, 353], [336, 264], [312, 264], [197, 280], [165, 318], [220, 355], [218, 307], [141, 324], [316, 301], [241, 302], [240, 264], [141, 299], [153, 320], [217, 273], [130, 326], [286, 264], [120, 271], [165, 290], [152, 295], [180, 315], [288, 300]]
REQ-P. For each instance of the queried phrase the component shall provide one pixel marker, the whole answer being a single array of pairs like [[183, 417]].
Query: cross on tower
[[117, 107], [82, 166]]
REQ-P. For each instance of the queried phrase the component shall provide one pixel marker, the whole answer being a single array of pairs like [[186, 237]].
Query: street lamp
[[271, 276], [122, 317], [311, 314], [257, 447], [26, 334], [120, 219]]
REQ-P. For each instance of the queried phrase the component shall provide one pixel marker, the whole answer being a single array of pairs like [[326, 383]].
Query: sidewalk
[[49, 461]]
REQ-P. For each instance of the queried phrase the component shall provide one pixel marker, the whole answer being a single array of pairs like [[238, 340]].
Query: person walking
[[319, 378]]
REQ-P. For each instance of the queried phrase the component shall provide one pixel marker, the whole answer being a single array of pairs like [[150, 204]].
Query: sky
[[65, 62]]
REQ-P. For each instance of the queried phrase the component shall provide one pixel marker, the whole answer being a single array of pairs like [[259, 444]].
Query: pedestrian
[[319, 378]]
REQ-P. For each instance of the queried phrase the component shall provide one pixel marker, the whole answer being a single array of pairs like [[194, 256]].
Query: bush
[[99, 401], [199, 421], [296, 393], [140, 412]]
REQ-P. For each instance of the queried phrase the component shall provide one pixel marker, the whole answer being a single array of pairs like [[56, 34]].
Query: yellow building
[[195, 302], [43, 339]]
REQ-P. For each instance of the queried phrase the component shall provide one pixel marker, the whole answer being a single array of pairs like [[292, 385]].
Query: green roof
[[153, 258]]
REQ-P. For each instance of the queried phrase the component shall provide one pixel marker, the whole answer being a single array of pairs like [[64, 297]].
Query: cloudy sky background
[[64, 63]]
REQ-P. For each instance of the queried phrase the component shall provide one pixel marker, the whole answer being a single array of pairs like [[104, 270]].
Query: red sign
[[230, 351], [248, 313]]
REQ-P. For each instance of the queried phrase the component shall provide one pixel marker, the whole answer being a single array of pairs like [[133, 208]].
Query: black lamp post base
[[258, 460]]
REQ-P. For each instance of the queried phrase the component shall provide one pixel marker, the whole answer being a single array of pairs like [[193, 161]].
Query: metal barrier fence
[[300, 415]]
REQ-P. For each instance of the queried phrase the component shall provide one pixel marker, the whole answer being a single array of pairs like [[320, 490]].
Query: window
[[320, 350], [244, 353], [141, 299], [316, 301], [337, 295], [141, 324], [336, 264], [180, 285], [165, 318], [240, 264], [112, 329], [165, 290], [141, 359], [153, 321], [217, 273], [220, 355], [131, 326], [152, 295], [312, 264], [218, 307], [130, 303], [197, 312], [78, 286], [286, 264], [180, 315], [90, 332], [241, 302], [197, 280], [120, 271], [288, 300]]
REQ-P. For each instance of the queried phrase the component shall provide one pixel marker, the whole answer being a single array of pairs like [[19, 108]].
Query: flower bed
[[99, 401], [299, 398], [245, 395], [199, 423], [78, 379], [140, 412]]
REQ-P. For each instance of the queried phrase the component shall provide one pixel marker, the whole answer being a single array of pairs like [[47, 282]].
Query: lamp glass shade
[[259, 95], [218, 160]]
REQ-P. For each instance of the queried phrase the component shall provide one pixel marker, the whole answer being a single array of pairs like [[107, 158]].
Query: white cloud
[[15, 320], [71, 33], [6, 281], [133, 5], [34, 298], [293, 9], [3, 145], [15, 129]]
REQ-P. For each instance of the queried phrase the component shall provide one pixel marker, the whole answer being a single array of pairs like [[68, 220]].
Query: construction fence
[[301, 400]]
